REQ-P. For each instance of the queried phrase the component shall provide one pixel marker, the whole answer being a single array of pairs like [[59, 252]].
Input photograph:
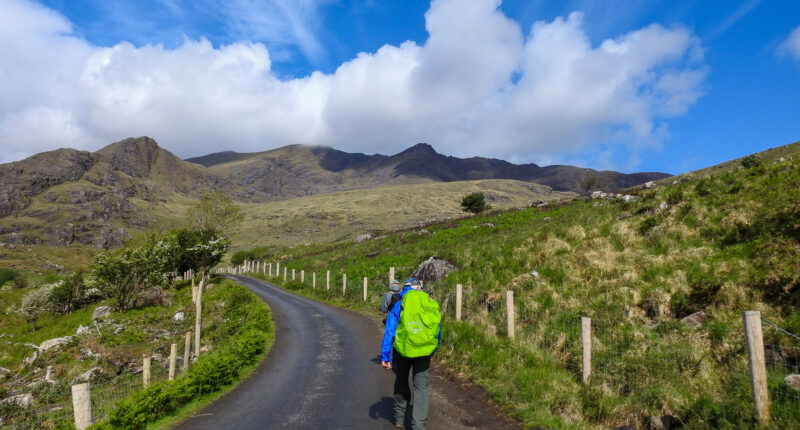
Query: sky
[[659, 85]]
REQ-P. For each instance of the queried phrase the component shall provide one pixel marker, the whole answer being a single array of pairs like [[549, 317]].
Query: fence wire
[[782, 357]]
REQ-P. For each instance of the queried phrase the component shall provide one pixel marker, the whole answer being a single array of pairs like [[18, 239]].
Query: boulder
[[695, 320], [23, 400], [82, 330], [433, 269], [597, 194], [362, 238], [101, 312], [54, 343], [539, 204], [650, 184], [88, 376], [793, 381], [628, 198], [178, 316]]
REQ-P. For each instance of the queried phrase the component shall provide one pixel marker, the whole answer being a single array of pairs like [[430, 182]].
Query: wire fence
[[650, 361]]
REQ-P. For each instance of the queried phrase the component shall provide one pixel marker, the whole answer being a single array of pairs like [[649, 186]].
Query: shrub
[[68, 295], [7, 275], [35, 303], [752, 160], [475, 203], [122, 274]]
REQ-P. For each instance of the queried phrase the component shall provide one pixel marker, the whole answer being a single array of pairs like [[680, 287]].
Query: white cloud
[[791, 46], [478, 86]]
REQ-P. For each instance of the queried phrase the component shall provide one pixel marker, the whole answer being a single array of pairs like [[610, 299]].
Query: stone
[[362, 238], [793, 381], [650, 184], [433, 269], [597, 194], [23, 400], [54, 343], [535, 274], [695, 320], [178, 316], [82, 330], [88, 376], [101, 312], [628, 198], [487, 224], [539, 204]]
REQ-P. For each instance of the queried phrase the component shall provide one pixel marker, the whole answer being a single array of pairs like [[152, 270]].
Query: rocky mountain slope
[[296, 171], [101, 198]]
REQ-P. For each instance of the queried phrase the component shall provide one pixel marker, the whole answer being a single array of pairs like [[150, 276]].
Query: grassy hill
[[721, 241], [345, 215]]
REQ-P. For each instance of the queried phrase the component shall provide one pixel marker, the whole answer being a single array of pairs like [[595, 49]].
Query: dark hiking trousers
[[420, 369]]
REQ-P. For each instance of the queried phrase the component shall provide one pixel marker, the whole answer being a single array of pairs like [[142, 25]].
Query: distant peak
[[420, 148]]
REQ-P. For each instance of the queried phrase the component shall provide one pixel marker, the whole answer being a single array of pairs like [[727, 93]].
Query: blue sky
[[657, 86]]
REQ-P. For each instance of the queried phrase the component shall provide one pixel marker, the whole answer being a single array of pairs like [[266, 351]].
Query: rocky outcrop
[[60, 235], [433, 269], [101, 312], [695, 320], [362, 238]]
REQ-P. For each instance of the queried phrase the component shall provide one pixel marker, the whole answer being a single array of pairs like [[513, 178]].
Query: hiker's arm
[[389, 332]]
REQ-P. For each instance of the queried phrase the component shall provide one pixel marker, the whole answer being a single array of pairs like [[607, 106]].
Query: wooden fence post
[[198, 317], [82, 405], [292, 275], [391, 274], [314, 281], [146, 371], [278, 269], [328, 280], [365, 288], [510, 312], [344, 283], [173, 357], [285, 271], [303, 276], [758, 369], [187, 351], [586, 339], [459, 293]]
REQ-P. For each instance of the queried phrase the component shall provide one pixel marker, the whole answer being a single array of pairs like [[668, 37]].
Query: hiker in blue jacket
[[417, 335]]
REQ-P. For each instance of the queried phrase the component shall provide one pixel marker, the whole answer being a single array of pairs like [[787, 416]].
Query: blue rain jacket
[[391, 328]]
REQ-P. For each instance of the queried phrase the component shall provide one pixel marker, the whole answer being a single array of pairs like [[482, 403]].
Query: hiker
[[391, 297], [412, 335]]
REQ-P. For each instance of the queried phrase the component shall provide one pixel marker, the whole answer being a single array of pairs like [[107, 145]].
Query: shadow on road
[[382, 410]]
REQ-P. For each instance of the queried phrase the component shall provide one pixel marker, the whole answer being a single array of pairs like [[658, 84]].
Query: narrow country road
[[324, 372]]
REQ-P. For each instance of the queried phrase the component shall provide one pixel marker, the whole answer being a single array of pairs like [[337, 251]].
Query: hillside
[[719, 243], [345, 215], [65, 197], [297, 170]]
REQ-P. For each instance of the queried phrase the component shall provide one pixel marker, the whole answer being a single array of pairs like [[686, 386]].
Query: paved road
[[323, 372]]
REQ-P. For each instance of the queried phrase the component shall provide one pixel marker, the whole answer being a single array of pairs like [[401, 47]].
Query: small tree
[[68, 294], [122, 274], [35, 303], [475, 203], [215, 212]]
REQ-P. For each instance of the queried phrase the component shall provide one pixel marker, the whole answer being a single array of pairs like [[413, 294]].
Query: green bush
[[752, 160], [475, 203], [249, 338], [7, 275]]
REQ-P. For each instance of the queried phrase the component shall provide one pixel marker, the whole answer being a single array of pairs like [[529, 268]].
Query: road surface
[[324, 372]]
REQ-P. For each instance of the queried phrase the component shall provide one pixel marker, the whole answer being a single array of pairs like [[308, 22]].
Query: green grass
[[725, 243]]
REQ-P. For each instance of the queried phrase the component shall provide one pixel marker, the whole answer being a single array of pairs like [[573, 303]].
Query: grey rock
[[82, 330], [23, 400], [54, 343], [650, 184], [793, 381], [695, 320], [178, 316], [61, 235], [433, 269], [362, 238], [539, 204], [597, 194], [535, 274], [88, 376], [101, 312], [628, 198]]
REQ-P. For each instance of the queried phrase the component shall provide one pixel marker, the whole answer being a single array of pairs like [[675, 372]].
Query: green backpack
[[418, 329]]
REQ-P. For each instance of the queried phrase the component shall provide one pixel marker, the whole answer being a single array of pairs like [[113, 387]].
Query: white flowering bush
[[35, 303]]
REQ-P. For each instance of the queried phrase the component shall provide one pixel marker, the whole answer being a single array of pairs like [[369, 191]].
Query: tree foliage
[[215, 212], [35, 303], [475, 203], [68, 294], [122, 274]]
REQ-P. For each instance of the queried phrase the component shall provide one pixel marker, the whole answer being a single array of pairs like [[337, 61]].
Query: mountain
[[297, 170], [102, 198]]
